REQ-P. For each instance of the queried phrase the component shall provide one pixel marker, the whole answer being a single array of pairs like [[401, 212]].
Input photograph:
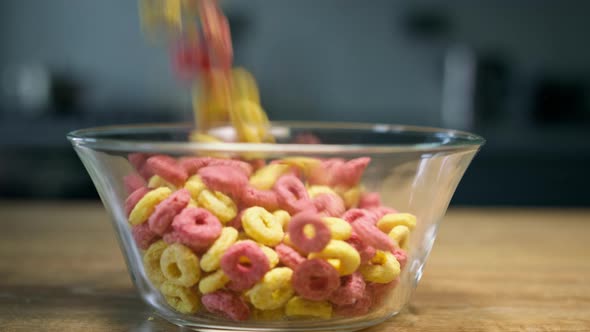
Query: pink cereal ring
[[143, 236], [325, 173], [359, 307], [289, 256], [350, 173], [138, 160], [292, 195], [315, 279], [226, 304], [401, 256], [132, 182], [352, 288], [245, 275], [263, 198], [237, 221], [353, 215], [297, 235], [243, 166], [372, 235], [192, 165], [226, 179], [168, 169], [329, 205], [196, 228], [365, 251], [135, 197], [370, 200], [164, 213]]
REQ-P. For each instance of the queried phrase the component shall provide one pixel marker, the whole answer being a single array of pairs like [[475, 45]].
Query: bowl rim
[[450, 140]]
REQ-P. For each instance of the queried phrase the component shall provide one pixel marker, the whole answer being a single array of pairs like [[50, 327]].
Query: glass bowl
[[394, 182]]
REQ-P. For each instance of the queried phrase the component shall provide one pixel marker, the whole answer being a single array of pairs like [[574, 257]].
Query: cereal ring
[[263, 198], [283, 218], [132, 182], [226, 304], [352, 288], [288, 256], [225, 179], [195, 186], [291, 195], [262, 226], [353, 215], [365, 251], [401, 256], [339, 228], [135, 197], [180, 265], [196, 228], [167, 168], [371, 235], [243, 166], [389, 221], [326, 172], [350, 173], [192, 203], [151, 262], [143, 236], [164, 213], [237, 221], [315, 280], [212, 258], [213, 282], [219, 204], [267, 176], [273, 257], [249, 272], [369, 200], [342, 252], [182, 299], [380, 291], [268, 315], [400, 235], [329, 205], [307, 165], [192, 165], [138, 160], [273, 291], [157, 181], [321, 232], [382, 268], [146, 205], [314, 191], [350, 196], [298, 306], [359, 307]]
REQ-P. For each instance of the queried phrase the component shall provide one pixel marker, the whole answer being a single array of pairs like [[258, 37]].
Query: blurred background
[[515, 72]]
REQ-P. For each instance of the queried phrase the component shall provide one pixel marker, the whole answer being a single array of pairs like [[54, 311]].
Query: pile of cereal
[[296, 237]]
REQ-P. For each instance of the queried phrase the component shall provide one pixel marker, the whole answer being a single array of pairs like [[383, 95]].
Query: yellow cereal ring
[[283, 217], [273, 257], [182, 299], [262, 226], [210, 260], [243, 236], [265, 178], [192, 203], [244, 86], [195, 186], [151, 262], [197, 136], [337, 250], [156, 181], [213, 282], [350, 196], [305, 164], [340, 228], [180, 265], [268, 315], [250, 122], [219, 204], [313, 191], [146, 205], [382, 268], [298, 306], [390, 220], [273, 291], [401, 235]]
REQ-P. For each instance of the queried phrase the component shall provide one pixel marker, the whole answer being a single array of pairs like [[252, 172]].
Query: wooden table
[[490, 270]]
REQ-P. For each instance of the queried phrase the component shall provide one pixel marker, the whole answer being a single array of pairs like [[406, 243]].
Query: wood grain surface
[[490, 270]]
